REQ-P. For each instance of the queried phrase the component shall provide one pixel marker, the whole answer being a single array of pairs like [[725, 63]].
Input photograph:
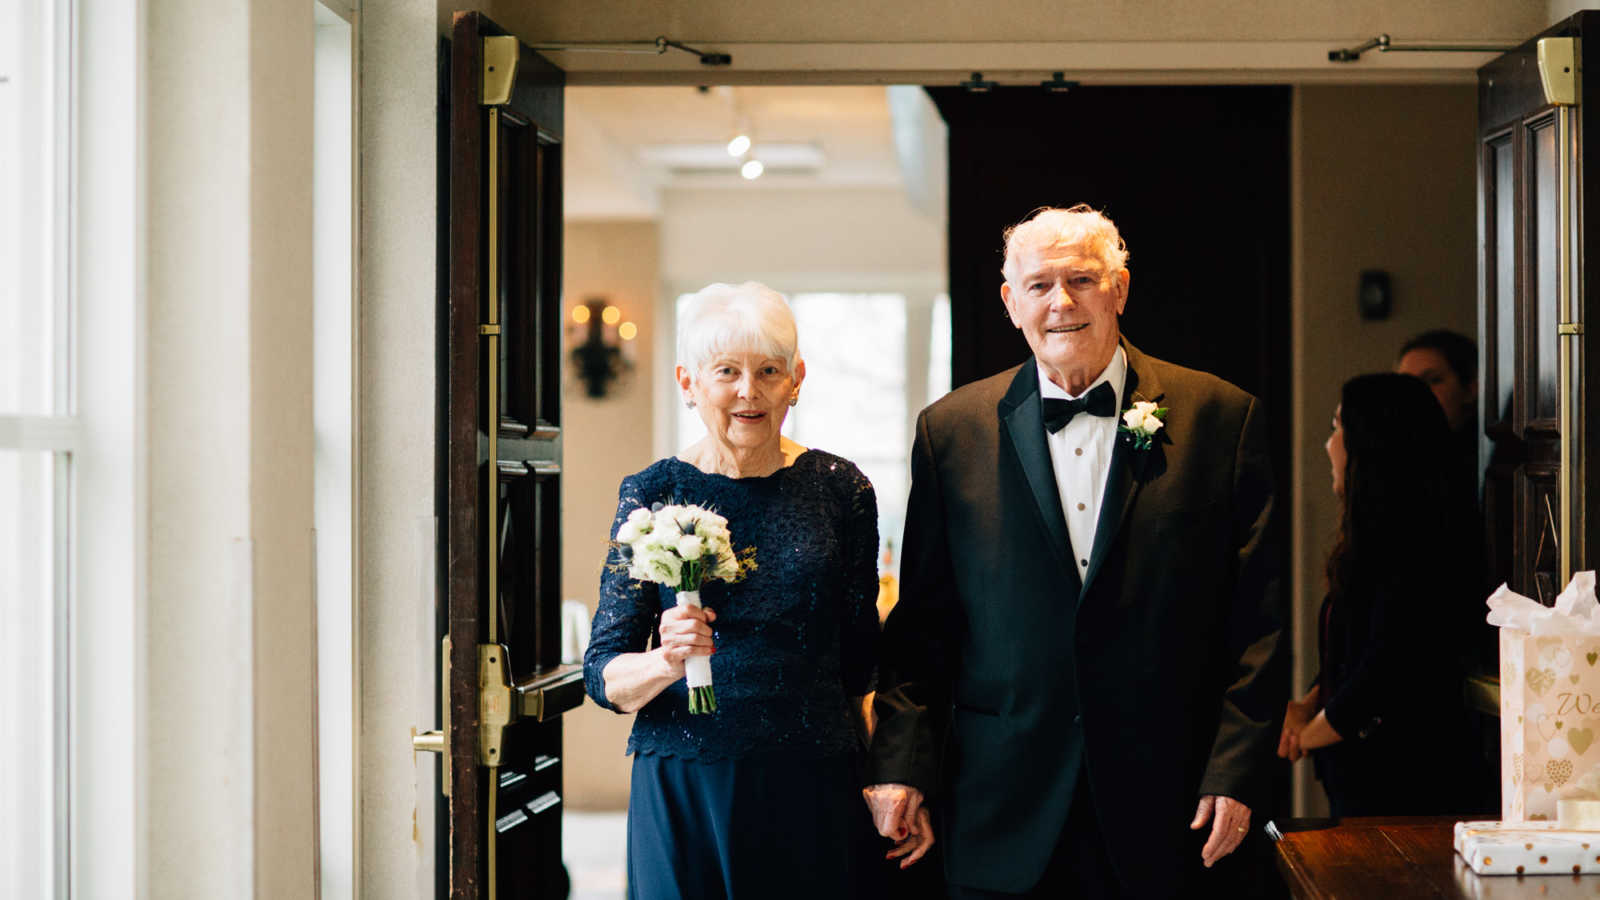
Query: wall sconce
[[598, 335]]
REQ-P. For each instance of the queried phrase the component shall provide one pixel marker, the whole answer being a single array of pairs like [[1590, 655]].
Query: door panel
[[1536, 402], [506, 685]]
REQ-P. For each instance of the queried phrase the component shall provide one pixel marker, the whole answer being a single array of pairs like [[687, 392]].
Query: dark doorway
[[1197, 180]]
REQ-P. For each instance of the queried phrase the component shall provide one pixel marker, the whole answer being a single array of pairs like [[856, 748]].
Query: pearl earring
[[794, 400], [688, 404]]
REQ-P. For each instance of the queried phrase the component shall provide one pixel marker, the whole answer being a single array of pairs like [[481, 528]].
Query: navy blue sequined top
[[794, 639]]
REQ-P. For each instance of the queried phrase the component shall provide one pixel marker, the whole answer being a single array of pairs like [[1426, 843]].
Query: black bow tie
[[1102, 401]]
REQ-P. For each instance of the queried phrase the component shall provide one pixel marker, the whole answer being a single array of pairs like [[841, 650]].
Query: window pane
[[29, 94], [939, 342], [27, 680]]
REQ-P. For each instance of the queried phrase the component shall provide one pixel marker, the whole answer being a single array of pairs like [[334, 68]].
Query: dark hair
[[1400, 510], [1459, 352]]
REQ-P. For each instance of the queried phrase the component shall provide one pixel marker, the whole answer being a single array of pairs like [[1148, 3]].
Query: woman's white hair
[[740, 318]]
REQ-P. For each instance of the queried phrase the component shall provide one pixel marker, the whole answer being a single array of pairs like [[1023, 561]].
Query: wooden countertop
[[1398, 858]]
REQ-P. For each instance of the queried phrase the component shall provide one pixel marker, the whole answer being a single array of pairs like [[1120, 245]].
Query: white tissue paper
[[1576, 611]]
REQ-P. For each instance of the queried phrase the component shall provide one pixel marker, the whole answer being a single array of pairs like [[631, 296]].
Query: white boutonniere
[[1141, 422]]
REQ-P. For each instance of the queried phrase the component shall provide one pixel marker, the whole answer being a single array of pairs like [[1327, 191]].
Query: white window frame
[[57, 433], [108, 843]]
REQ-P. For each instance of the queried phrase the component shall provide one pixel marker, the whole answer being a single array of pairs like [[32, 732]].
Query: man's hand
[[1228, 826], [899, 814]]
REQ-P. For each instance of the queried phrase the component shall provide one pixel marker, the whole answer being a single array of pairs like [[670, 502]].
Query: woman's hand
[[685, 631], [1296, 716], [634, 679], [900, 815]]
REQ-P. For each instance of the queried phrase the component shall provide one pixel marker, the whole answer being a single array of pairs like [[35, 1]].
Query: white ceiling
[[624, 145]]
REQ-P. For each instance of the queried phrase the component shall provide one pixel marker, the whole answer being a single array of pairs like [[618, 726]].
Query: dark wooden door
[[1535, 397], [501, 546]]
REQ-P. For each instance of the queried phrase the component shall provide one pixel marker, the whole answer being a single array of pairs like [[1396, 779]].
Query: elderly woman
[[760, 798]]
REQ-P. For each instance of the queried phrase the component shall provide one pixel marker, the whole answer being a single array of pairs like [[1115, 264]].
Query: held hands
[[1230, 822], [685, 632], [899, 814], [1296, 716]]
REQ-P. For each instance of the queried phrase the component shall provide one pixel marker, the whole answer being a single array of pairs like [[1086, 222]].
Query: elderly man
[[1084, 670]]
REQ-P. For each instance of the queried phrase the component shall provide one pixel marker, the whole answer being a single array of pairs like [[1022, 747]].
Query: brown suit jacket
[[1161, 671]]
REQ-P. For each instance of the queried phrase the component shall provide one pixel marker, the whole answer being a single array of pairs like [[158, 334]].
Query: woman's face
[[743, 397], [1336, 454]]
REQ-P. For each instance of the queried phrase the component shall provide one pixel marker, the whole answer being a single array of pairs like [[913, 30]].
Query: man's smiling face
[[1067, 302]]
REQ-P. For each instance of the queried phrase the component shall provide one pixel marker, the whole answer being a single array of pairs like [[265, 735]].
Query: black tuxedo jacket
[[1161, 671]]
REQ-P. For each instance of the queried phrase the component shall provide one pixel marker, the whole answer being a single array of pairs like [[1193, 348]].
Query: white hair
[[749, 317], [1051, 226]]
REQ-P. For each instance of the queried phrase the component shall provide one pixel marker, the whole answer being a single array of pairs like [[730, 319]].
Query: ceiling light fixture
[[752, 169], [740, 145]]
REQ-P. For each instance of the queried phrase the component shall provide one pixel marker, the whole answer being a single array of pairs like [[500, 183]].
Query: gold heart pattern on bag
[[1557, 771], [1580, 739], [1540, 680]]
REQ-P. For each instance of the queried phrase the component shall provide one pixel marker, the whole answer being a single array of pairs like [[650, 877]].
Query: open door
[[1537, 397], [504, 687]]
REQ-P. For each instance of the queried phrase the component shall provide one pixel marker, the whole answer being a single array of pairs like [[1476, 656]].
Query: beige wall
[[1012, 20], [603, 440], [842, 41], [1384, 180]]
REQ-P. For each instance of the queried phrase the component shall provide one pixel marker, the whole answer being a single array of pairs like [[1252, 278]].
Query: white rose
[[727, 565], [639, 516], [628, 532], [660, 567], [666, 531], [1133, 417], [1152, 424], [690, 546]]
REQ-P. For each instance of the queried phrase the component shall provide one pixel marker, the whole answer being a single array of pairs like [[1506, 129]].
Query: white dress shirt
[[1080, 453]]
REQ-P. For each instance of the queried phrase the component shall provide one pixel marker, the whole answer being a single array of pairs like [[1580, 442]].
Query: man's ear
[[1122, 277], [1005, 297]]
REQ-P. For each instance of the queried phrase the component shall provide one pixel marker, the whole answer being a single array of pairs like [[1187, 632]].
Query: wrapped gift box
[[1527, 848]]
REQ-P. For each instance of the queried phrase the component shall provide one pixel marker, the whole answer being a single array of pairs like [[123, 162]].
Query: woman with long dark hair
[[1384, 721]]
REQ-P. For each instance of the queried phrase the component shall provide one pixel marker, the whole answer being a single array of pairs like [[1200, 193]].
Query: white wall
[[798, 238], [395, 634], [230, 718]]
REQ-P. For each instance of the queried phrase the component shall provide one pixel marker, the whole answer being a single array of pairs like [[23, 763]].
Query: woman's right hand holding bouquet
[[685, 631]]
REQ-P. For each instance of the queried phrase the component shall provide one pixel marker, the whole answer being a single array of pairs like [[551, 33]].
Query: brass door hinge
[[494, 702], [499, 69]]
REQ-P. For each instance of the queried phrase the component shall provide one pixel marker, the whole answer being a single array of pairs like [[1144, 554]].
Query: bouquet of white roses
[[683, 547]]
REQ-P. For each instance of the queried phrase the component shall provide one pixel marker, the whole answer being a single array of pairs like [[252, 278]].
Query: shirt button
[[1080, 507], [1078, 452], [1083, 562], [1077, 720]]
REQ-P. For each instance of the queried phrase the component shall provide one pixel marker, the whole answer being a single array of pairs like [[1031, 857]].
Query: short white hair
[[749, 317], [1051, 226]]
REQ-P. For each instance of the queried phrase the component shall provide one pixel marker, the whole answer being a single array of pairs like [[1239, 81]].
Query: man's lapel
[[1128, 466], [1023, 417]]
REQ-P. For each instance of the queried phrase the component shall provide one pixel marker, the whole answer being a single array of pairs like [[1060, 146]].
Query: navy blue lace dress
[[760, 799]]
